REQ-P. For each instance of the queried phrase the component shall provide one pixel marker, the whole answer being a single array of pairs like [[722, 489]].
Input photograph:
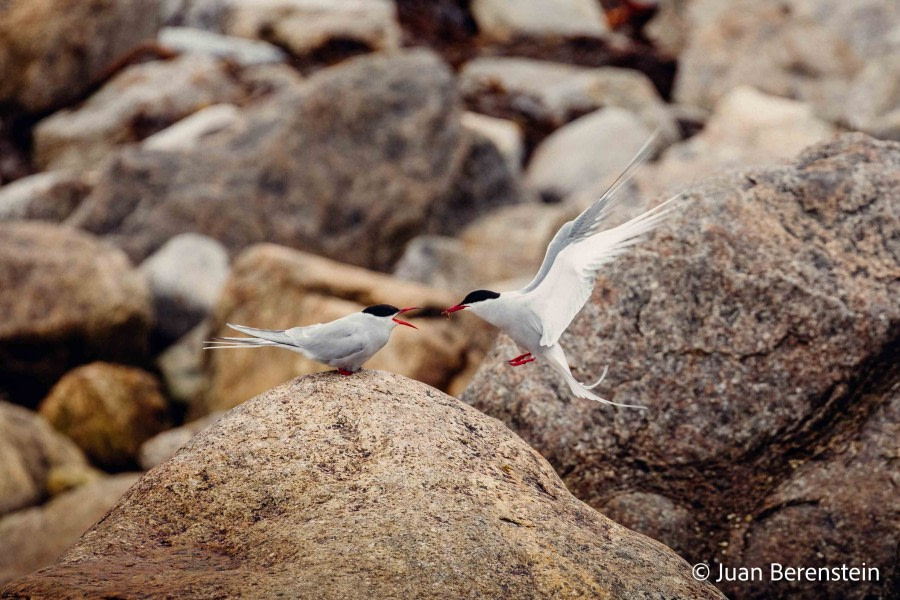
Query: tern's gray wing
[[329, 341], [588, 222]]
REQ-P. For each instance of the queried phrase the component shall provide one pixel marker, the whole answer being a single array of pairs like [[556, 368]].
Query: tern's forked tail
[[557, 359], [262, 338], [234, 342]]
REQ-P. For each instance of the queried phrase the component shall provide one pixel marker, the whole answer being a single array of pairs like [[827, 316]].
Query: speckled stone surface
[[761, 327], [369, 486]]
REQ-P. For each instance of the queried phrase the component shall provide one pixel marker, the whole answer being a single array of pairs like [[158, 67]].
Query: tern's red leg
[[523, 361], [518, 358], [343, 372]]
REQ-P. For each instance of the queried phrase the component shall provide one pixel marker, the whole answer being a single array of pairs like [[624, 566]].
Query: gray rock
[[53, 51], [543, 96], [370, 486], [873, 101], [760, 327], [668, 29], [35, 460], [509, 19], [34, 538], [437, 261], [138, 102], [267, 81], [354, 179], [189, 132], [595, 148], [241, 51], [837, 507], [656, 516], [163, 446], [66, 299], [808, 51], [317, 32], [748, 128], [49, 196], [208, 15], [505, 134], [510, 243], [484, 183], [186, 276], [181, 368]]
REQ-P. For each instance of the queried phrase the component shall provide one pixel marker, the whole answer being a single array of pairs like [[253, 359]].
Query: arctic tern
[[537, 315], [345, 343]]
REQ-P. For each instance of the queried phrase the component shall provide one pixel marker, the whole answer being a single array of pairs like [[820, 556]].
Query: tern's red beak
[[453, 309], [400, 312]]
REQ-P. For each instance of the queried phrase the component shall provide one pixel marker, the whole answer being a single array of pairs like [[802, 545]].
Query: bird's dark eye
[[479, 295], [381, 310]]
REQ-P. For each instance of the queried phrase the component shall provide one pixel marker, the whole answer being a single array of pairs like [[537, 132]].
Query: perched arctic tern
[[537, 315], [345, 343]]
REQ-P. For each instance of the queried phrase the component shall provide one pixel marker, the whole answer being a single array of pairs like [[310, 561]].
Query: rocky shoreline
[[169, 166]]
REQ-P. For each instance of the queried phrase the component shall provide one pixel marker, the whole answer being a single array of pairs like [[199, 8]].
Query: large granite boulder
[[66, 299], [108, 410], [371, 486], [272, 287], [35, 537], [52, 51], [353, 179], [760, 327], [35, 460]]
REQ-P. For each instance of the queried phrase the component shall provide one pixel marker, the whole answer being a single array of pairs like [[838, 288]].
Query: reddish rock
[[108, 410]]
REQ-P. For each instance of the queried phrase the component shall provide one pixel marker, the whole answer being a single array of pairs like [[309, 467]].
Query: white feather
[[575, 267]]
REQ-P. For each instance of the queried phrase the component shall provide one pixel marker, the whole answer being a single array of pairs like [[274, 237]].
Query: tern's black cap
[[381, 310], [479, 295]]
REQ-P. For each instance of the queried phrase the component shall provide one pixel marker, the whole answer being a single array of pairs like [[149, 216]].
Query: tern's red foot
[[519, 358], [343, 372], [521, 361]]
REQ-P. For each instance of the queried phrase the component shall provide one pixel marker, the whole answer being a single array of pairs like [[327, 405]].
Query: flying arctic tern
[[345, 343], [537, 315]]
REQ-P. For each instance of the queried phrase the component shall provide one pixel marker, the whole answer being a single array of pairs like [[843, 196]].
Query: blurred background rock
[[167, 166]]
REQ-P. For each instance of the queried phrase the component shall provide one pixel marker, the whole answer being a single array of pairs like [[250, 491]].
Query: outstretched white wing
[[589, 221], [567, 285]]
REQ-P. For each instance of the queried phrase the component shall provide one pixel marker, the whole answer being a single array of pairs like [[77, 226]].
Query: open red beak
[[453, 309], [400, 312]]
